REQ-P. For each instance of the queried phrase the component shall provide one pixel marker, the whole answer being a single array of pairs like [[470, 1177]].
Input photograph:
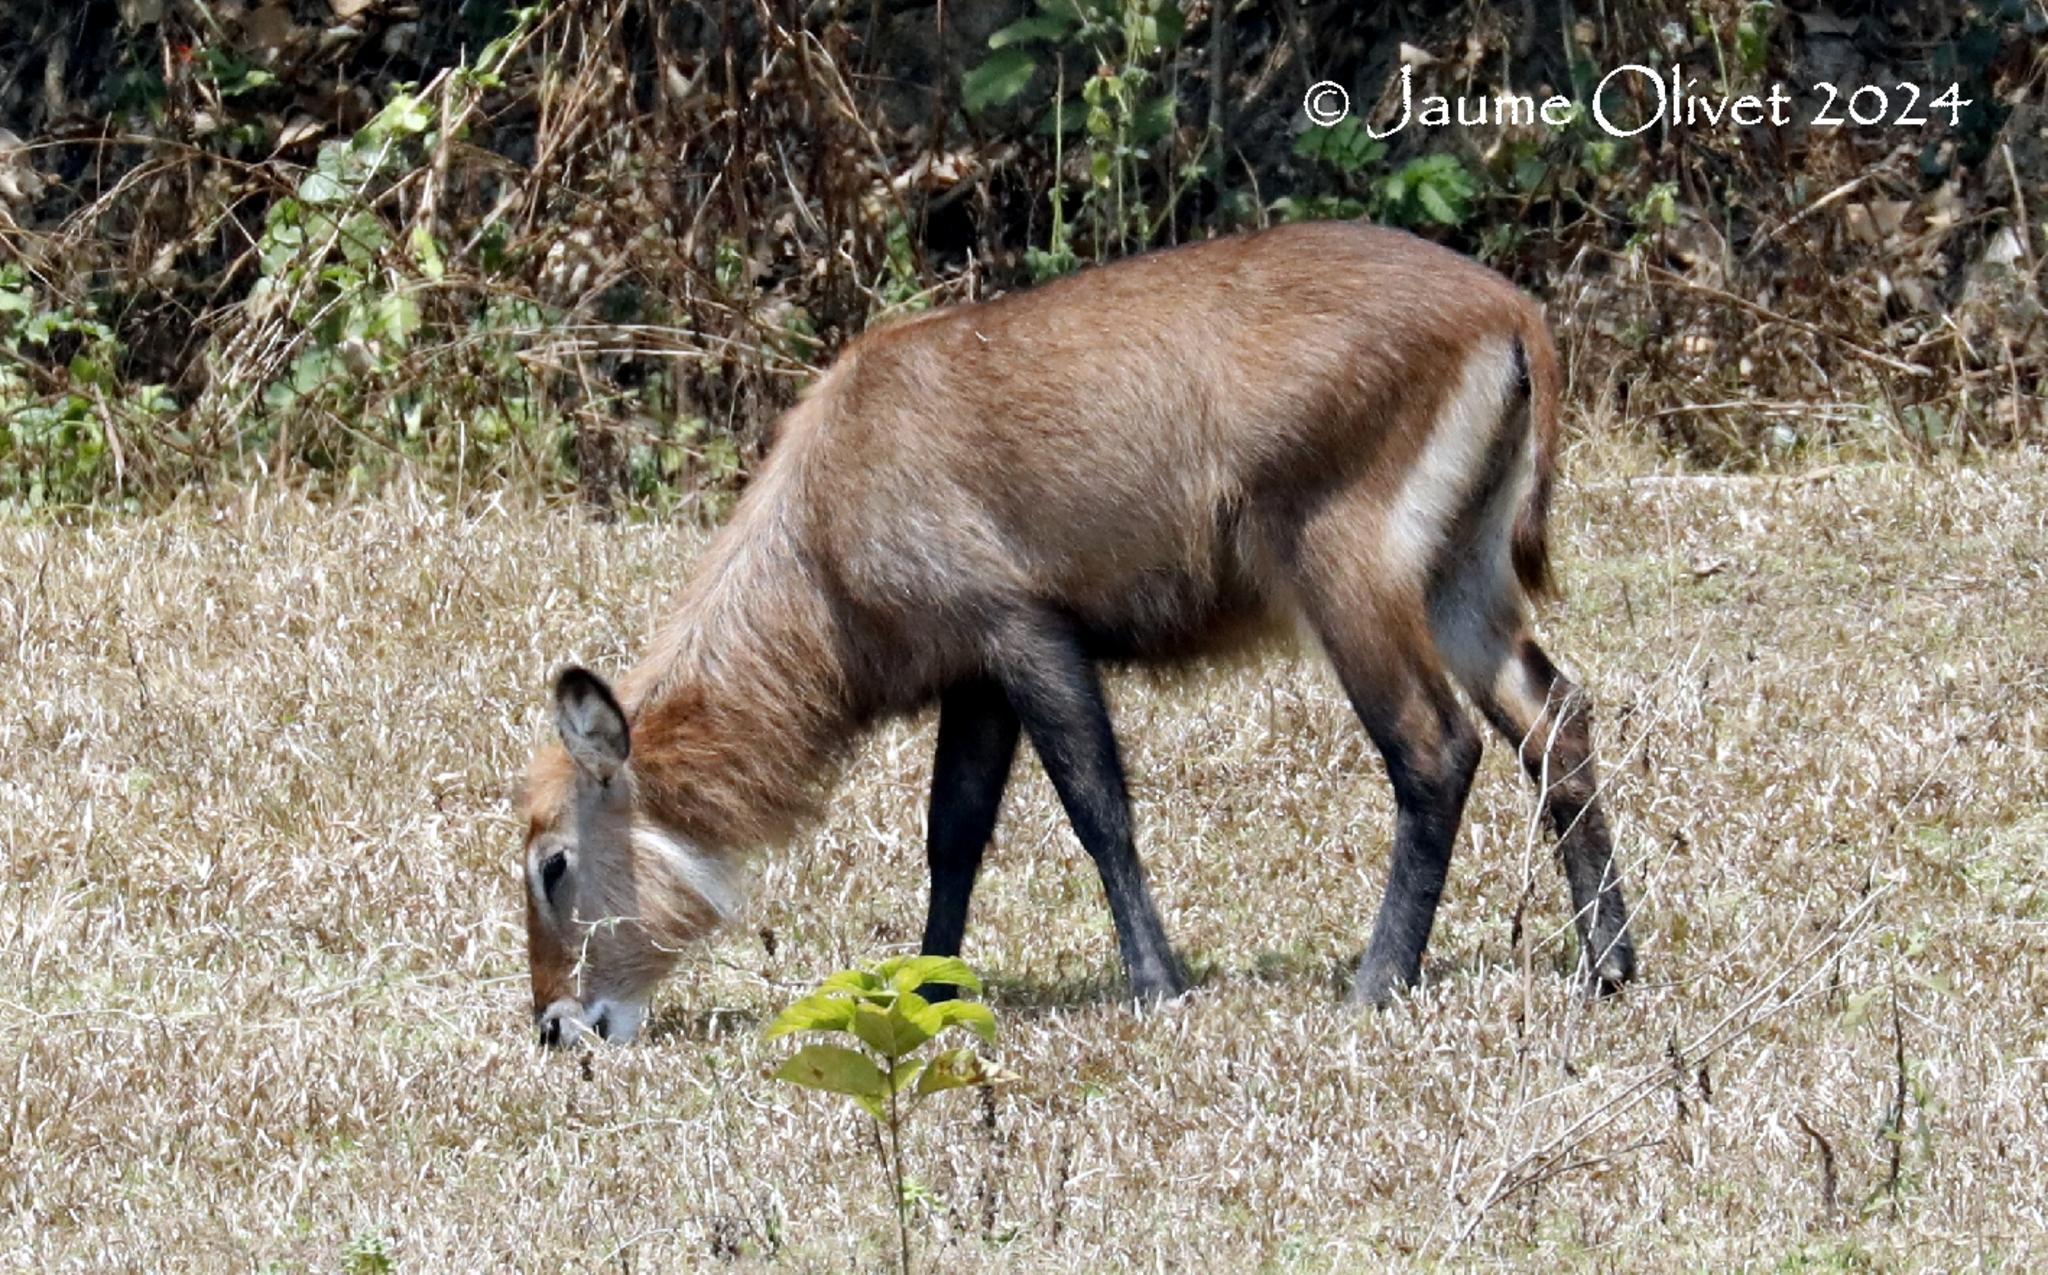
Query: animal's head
[[611, 892]]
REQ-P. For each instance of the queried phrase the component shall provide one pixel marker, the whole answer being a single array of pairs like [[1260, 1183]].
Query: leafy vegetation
[[597, 244], [881, 1009]]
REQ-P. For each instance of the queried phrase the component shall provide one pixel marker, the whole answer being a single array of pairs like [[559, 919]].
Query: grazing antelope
[[1335, 424]]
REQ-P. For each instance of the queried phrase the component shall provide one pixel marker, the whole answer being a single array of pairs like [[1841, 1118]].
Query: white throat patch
[[716, 879]]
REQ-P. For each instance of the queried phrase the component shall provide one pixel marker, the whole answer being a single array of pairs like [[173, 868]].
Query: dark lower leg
[[1547, 717], [1431, 752], [970, 768], [1054, 689]]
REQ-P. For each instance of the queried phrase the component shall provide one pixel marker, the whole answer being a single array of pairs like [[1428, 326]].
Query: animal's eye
[[552, 869]]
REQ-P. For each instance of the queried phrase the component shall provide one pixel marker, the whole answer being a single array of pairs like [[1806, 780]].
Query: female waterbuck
[[1333, 424]]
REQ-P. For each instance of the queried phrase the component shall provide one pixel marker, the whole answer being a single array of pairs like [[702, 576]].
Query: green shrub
[[879, 1009]]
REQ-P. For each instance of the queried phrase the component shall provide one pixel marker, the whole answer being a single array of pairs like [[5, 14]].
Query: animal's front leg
[[1053, 686], [977, 742]]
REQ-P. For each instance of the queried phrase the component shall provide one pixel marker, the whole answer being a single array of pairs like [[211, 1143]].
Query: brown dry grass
[[262, 973]]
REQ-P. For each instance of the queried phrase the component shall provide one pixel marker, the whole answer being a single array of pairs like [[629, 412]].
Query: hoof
[[1158, 985], [1377, 986], [1373, 996], [1615, 968]]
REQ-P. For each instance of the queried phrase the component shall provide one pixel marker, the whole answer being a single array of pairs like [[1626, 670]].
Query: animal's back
[[1128, 443], [1237, 351]]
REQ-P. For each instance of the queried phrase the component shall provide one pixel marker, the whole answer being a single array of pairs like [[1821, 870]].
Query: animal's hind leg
[[977, 742], [1546, 716], [1053, 686], [1399, 689]]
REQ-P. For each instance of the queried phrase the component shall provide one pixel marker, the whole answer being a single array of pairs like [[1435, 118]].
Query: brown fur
[[1172, 452], [1532, 532]]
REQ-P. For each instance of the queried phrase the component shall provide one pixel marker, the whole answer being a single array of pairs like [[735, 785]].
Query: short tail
[[1530, 546]]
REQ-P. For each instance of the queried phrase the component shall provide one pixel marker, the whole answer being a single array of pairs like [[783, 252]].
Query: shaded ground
[[263, 975]]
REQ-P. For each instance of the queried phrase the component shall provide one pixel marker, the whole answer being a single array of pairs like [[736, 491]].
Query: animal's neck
[[740, 707]]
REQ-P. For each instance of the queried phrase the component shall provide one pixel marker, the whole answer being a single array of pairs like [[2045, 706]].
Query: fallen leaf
[[301, 128], [2003, 249]]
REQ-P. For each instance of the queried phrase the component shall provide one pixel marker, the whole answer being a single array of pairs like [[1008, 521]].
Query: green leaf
[[1151, 32], [909, 975], [86, 370], [308, 372], [1046, 26], [1153, 120], [851, 980], [1172, 23], [1362, 150], [862, 983], [998, 80], [891, 1032], [234, 77], [815, 1013], [1436, 205], [834, 1069], [427, 252], [404, 114], [336, 158], [975, 1017], [1753, 37], [362, 238], [322, 188], [398, 317]]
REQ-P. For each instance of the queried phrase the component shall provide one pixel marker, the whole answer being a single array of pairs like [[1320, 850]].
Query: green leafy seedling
[[881, 1068]]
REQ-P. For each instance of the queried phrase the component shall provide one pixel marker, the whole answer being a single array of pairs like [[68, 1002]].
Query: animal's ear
[[591, 723]]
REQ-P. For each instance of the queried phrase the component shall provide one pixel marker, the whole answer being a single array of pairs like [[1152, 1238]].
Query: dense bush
[[599, 242]]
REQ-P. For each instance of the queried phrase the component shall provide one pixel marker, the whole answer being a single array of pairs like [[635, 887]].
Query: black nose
[[603, 1026], [551, 1032]]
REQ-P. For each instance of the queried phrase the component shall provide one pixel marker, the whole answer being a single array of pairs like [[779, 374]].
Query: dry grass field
[[262, 998]]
